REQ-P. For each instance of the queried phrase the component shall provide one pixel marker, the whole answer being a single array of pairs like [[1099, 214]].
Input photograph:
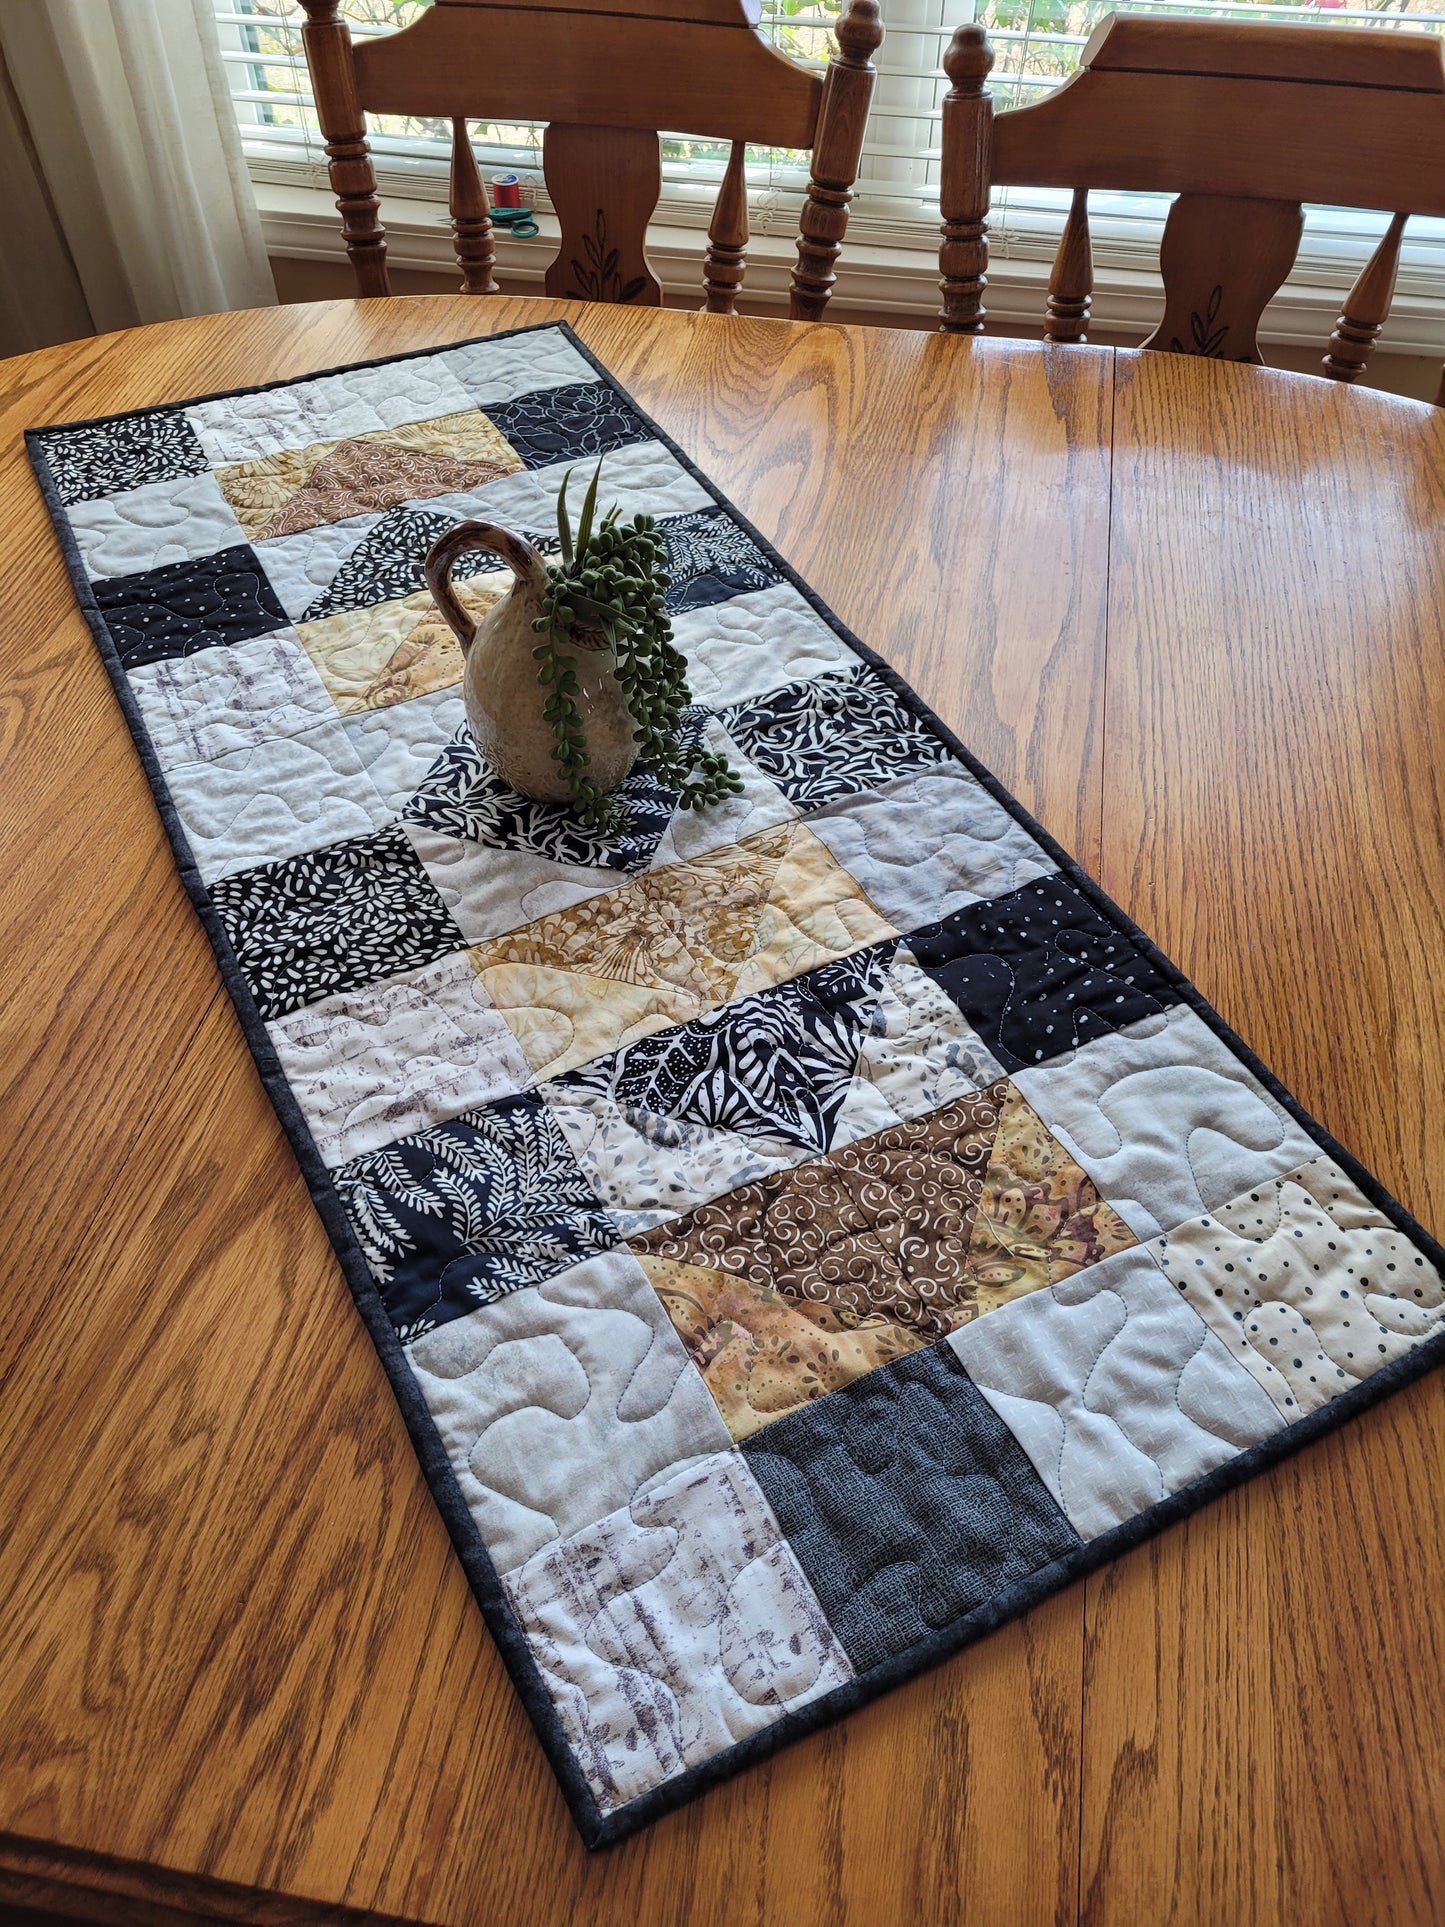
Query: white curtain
[[126, 196]]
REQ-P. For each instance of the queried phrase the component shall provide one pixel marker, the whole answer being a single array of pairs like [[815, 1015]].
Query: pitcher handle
[[516, 551]]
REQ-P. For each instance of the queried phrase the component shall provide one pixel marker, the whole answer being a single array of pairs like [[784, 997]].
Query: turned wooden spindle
[[474, 238], [727, 238], [1366, 307], [842, 115], [964, 188], [1071, 279], [327, 40]]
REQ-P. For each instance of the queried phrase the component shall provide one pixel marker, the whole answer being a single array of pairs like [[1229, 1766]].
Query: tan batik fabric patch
[[298, 487], [371, 658], [788, 1288], [673, 944], [1040, 1218]]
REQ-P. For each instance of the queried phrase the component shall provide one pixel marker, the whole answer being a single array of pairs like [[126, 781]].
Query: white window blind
[[1036, 43]]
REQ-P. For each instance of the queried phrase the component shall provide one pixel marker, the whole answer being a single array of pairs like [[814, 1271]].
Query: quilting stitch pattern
[[803, 1223]]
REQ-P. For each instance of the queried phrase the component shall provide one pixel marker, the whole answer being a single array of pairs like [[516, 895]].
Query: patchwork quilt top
[[800, 1234]]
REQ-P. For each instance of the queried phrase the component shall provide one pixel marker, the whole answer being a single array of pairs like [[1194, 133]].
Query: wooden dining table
[[1191, 614]]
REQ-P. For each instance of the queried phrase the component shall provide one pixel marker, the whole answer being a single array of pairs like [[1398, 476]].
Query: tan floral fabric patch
[[728, 923], [298, 487], [1041, 1218], [789, 1287], [371, 658], [761, 1354]]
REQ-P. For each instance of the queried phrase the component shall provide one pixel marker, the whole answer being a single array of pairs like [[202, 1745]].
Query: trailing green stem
[[611, 581]]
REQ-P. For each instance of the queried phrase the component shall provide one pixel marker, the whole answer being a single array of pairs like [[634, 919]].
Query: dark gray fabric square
[[907, 1501]]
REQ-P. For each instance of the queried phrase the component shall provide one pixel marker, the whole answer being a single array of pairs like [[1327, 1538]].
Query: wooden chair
[[605, 81], [1243, 123]]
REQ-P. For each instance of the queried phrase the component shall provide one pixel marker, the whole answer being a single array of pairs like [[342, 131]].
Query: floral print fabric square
[[793, 1229]]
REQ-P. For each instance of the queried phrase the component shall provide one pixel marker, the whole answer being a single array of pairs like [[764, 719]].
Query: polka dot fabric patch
[[800, 1234]]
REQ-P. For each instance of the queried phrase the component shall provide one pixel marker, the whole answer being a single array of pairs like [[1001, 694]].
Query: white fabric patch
[[759, 806], [276, 798], [1165, 1120], [920, 1054], [1308, 1285], [927, 845], [231, 697], [497, 371], [299, 567], [1119, 1394], [674, 1628], [752, 644], [558, 1403], [151, 526], [490, 891], [240, 428], [370, 1066], [397, 745], [647, 1168], [640, 478]]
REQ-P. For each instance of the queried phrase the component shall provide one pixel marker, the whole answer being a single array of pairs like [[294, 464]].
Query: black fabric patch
[[108, 458], [334, 919], [387, 563], [186, 606], [907, 1501], [1040, 971], [460, 1215], [777, 1065], [710, 559], [554, 425], [462, 796], [831, 737]]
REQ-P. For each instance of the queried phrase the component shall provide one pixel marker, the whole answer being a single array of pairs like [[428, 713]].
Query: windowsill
[[301, 223]]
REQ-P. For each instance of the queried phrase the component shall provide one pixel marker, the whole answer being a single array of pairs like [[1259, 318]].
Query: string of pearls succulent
[[610, 583]]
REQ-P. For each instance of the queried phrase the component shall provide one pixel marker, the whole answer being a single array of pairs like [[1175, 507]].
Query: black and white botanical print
[[333, 919], [461, 1214], [832, 737], [110, 457], [775, 1065], [1040, 971], [555, 425], [710, 559], [185, 606], [387, 564], [463, 796]]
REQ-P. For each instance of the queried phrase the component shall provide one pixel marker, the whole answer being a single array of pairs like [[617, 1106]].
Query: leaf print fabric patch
[[709, 558], [567, 424], [457, 1216], [822, 740], [462, 796], [108, 458], [333, 920], [795, 1228]]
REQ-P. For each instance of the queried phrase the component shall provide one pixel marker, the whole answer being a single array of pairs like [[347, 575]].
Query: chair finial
[[859, 32], [969, 60]]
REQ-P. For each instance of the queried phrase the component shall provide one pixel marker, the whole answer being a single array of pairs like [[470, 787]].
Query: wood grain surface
[[243, 1678]]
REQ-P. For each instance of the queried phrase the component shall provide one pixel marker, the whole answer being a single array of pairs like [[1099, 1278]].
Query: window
[[1037, 44]]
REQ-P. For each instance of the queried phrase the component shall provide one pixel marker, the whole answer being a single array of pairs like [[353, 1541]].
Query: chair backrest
[[1242, 123], [605, 82]]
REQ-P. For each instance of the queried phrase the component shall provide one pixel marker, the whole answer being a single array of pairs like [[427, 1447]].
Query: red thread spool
[[506, 191]]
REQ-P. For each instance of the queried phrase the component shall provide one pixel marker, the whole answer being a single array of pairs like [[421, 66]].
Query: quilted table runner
[[800, 1234]]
